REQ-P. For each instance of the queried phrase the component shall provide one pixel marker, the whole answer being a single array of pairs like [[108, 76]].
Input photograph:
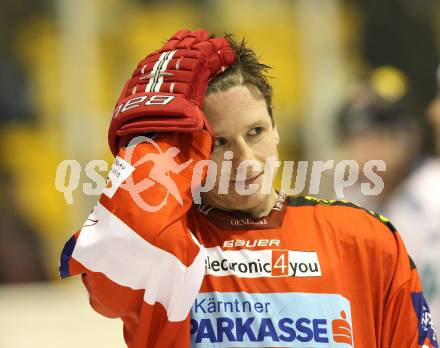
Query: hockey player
[[260, 270]]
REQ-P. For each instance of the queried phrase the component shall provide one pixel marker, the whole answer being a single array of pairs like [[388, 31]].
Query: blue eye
[[219, 141], [255, 131]]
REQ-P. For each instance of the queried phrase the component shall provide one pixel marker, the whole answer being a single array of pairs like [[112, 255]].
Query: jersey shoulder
[[301, 201], [347, 219]]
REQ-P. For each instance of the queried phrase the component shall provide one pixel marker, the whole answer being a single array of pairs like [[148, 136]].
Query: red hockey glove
[[166, 90]]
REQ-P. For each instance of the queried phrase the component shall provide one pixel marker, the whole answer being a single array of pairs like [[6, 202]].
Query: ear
[[276, 135]]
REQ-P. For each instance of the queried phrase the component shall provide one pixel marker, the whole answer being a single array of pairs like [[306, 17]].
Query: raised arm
[[137, 258]]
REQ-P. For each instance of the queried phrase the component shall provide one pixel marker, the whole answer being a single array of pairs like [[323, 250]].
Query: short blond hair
[[247, 70]]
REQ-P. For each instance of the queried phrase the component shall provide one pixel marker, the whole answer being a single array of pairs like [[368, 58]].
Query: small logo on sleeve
[[426, 329], [119, 172]]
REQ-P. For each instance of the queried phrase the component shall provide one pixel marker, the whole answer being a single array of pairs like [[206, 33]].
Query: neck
[[263, 209], [260, 210]]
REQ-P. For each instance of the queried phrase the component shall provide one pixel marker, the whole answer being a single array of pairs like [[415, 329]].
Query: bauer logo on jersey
[[262, 263], [293, 319]]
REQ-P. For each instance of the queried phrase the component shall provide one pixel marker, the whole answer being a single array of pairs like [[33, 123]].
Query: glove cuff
[[155, 112]]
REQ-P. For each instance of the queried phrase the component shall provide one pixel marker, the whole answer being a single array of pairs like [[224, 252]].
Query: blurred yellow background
[[63, 64]]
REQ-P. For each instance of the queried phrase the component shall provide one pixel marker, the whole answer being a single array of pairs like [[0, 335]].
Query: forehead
[[234, 109]]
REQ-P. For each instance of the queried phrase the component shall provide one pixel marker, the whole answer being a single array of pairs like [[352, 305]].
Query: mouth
[[250, 180]]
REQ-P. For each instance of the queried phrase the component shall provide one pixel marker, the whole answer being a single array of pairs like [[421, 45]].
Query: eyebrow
[[250, 126], [256, 123]]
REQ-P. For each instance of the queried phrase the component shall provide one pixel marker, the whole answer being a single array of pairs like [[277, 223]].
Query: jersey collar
[[234, 220]]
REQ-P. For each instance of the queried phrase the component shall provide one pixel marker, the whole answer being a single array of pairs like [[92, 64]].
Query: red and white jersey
[[312, 273], [137, 257]]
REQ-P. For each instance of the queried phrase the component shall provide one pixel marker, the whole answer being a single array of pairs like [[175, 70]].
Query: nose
[[242, 151]]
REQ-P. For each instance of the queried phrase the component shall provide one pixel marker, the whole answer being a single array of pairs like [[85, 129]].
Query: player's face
[[241, 125]]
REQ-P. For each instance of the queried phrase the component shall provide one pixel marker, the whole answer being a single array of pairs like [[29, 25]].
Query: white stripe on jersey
[[114, 249]]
